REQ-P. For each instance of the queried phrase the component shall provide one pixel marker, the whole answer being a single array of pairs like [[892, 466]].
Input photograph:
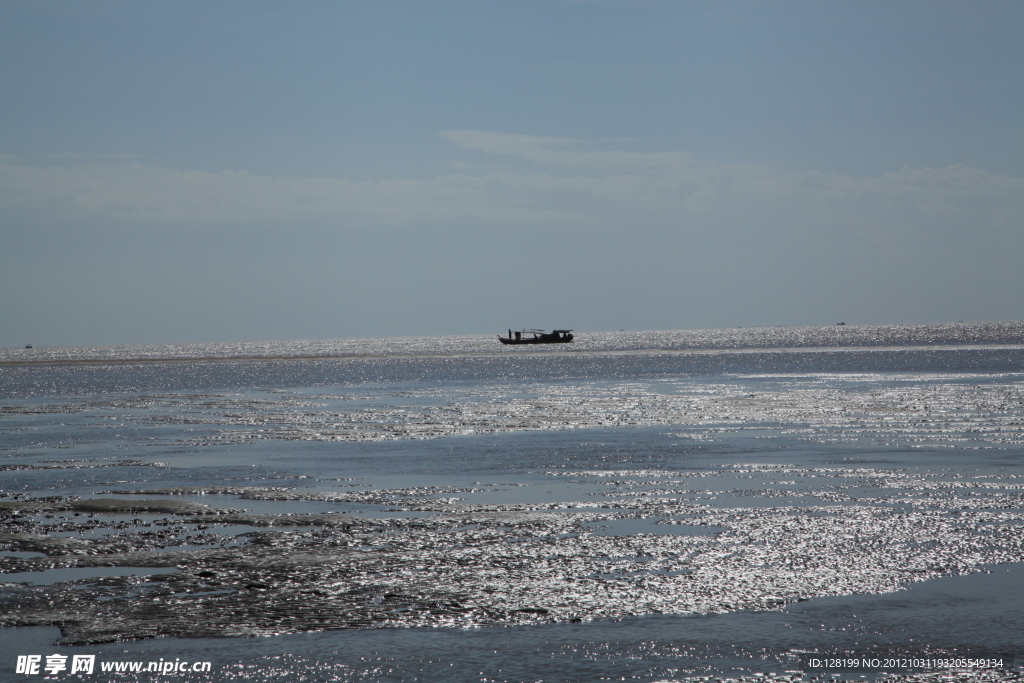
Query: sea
[[843, 502]]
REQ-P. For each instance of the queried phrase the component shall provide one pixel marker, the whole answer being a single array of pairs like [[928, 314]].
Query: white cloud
[[505, 143], [564, 152], [572, 185]]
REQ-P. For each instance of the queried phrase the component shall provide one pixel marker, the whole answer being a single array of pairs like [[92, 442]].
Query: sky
[[230, 170]]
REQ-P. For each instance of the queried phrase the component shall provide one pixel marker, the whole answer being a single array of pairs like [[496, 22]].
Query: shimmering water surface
[[641, 506]]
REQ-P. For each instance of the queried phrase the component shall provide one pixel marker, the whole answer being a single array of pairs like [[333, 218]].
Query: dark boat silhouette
[[539, 337]]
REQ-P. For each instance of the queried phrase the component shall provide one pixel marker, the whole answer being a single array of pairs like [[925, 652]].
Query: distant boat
[[28, 346], [539, 337]]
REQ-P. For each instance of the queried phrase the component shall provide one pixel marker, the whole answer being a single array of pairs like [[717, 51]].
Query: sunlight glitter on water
[[611, 491], [958, 334]]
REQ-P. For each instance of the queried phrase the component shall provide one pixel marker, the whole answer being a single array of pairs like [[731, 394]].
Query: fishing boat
[[538, 337]]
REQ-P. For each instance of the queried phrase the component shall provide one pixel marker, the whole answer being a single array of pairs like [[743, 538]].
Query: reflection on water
[[951, 616], [575, 515]]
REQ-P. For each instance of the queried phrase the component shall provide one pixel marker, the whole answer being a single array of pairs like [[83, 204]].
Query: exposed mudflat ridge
[[473, 565]]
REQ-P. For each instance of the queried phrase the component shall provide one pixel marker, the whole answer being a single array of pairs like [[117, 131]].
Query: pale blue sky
[[177, 171]]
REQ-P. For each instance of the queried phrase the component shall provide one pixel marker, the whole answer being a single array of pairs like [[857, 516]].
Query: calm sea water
[[646, 506]]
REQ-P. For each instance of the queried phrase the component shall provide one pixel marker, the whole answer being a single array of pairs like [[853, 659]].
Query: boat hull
[[534, 340]]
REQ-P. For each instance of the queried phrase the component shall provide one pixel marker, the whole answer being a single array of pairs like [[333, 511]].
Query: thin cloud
[[145, 193], [564, 152], [573, 185]]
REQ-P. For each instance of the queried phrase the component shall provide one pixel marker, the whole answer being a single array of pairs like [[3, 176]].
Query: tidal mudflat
[[558, 517]]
